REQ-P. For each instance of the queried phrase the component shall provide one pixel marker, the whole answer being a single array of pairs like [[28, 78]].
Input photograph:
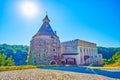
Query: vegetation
[[4, 61], [18, 52], [107, 53], [116, 64], [116, 57], [114, 61], [8, 68]]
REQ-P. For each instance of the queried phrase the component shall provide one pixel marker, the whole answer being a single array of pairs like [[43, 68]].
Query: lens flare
[[29, 9]]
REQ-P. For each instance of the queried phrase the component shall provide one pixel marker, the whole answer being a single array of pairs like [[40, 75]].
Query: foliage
[[9, 61], [107, 53], [104, 61], [28, 56], [4, 61], [114, 61], [107, 61], [8, 68], [116, 57], [18, 52]]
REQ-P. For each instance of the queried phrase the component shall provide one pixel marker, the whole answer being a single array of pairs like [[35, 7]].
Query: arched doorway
[[53, 62], [71, 61], [85, 58]]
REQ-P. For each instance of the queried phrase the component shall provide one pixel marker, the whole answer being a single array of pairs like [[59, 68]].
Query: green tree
[[9, 61], [2, 59], [104, 61], [116, 57], [110, 61], [28, 56]]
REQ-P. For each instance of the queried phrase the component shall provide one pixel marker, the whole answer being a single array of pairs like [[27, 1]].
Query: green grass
[[46, 66], [8, 68]]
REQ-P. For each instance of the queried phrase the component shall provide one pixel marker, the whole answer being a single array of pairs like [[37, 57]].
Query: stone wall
[[44, 50]]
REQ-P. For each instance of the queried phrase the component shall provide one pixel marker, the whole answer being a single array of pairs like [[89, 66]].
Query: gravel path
[[41, 74]]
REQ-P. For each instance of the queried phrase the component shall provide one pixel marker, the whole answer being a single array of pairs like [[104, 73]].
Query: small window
[[52, 37], [53, 49], [35, 62]]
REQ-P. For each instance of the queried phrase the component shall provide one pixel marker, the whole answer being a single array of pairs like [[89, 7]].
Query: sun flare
[[29, 9]]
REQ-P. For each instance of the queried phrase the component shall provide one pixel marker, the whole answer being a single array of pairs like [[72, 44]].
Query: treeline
[[107, 53], [19, 53]]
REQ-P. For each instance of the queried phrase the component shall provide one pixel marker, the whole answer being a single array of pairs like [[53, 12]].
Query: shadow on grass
[[78, 69]]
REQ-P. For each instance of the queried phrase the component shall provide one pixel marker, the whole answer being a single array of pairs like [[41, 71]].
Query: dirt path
[[41, 74]]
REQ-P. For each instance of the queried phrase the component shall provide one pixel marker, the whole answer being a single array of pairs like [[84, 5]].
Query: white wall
[[72, 47]]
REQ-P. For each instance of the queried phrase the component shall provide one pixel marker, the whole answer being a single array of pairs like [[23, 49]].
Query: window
[[81, 50], [52, 37], [53, 49], [35, 62], [84, 50]]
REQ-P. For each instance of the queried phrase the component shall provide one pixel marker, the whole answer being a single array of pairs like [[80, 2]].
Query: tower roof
[[46, 19], [45, 29]]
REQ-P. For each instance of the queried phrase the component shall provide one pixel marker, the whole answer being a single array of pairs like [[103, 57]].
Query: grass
[[8, 68], [116, 64], [46, 66]]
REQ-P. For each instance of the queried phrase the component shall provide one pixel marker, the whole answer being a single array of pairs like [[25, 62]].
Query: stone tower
[[45, 46]]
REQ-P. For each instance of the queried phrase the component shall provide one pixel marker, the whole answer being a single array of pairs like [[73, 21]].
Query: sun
[[29, 9]]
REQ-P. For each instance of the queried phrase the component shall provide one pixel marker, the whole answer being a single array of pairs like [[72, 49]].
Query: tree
[[116, 57], [2, 59], [108, 52], [104, 61], [9, 61], [18, 52], [28, 56]]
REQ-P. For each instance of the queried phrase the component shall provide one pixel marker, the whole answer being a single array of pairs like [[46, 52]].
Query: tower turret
[[45, 45]]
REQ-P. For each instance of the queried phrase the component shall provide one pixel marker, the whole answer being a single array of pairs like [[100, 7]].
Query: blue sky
[[96, 21]]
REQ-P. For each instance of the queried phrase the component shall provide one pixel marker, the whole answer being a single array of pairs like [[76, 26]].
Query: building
[[80, 52], [45, 48], [45, 45]]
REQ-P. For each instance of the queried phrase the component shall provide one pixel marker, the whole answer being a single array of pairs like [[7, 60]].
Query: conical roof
[[45, 29]]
